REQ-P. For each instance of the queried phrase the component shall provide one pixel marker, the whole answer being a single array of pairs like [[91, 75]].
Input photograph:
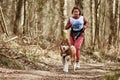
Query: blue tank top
[[77, 24]]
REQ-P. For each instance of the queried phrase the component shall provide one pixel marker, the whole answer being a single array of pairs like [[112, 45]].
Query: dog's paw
[[74, 67], [65, 70]]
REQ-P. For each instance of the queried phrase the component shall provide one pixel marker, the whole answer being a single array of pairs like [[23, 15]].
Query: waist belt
[[76, 34]]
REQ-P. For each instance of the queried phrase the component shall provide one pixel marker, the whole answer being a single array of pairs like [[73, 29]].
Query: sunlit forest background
[[31, 31], [46, 19]]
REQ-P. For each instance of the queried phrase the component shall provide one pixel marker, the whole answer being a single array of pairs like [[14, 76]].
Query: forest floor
[[86, 72], [24, 60]]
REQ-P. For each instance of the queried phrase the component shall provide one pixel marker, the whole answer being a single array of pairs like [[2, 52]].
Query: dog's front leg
[[74, 66], [66, 65]]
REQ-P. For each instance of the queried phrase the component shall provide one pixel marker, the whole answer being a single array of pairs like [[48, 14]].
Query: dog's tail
[[64, 34]]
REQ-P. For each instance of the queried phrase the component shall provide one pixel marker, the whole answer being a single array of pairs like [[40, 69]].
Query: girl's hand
[[84, 27]]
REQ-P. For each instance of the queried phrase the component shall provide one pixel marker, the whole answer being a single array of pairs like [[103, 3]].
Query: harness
[[66, 53], [76, 34]]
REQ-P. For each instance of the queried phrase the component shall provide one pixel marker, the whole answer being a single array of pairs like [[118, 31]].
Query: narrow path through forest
[[85, 72]]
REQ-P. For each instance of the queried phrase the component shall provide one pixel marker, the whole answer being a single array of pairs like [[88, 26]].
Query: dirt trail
[[49, 67], [85, 72]]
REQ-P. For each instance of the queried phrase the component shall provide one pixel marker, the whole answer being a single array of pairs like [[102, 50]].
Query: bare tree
[[19, 20]]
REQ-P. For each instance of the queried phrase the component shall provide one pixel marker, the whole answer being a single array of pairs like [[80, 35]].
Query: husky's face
[[64, 48], [64, 45]]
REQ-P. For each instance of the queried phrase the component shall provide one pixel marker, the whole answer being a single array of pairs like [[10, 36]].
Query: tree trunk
[[62, 16], [19, 20]]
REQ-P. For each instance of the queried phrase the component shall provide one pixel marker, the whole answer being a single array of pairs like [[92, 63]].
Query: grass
[[112, 76]]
